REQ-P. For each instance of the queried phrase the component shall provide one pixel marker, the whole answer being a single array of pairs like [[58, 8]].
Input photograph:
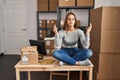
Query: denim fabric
[[71, 55]]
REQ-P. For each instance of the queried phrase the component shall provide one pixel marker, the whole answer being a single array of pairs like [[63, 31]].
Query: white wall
[[32, 25], [0, 29], [81, 14], [99, 3], [0, 35], [48, 16]]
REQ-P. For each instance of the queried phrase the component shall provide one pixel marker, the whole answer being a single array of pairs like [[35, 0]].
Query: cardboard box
[[42, 21], [41, 1], [85, 2], [49, 51], [49, 43], [32, 57], [56, 1], [42, 33], [98, 76], [51, 23], [95, 40], [29, 55], [42, 25], [53, 6], [105, 18], [29, 49], [109, 41], [105, 63], [109, 63], [105, 41], [66, 2], [118, 41], [105, 30], [42, 6]]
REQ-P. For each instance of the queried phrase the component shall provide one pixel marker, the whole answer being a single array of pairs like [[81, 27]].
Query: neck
[[70, 28]]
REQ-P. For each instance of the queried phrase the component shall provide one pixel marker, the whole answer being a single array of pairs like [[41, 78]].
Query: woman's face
[[71, 20]]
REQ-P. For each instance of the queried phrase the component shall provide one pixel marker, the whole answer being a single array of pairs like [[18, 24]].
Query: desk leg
[[68, 77], [90, 73], [17, 74], [80, 75], [50, 75], [29, 77]]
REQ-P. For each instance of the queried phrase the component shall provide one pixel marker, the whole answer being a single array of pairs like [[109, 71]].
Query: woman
[[66, 42]]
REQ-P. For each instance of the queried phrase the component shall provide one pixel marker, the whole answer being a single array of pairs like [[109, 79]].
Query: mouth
[[71, 23]]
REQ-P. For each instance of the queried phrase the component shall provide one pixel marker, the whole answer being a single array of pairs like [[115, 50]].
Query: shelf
[[46, 11], [70, 7], [45, 28]]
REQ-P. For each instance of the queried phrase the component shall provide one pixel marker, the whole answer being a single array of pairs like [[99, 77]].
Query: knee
[[55, 53], [89, 53]]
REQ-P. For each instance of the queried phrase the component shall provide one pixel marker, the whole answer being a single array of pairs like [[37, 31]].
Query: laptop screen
[[40, 46]]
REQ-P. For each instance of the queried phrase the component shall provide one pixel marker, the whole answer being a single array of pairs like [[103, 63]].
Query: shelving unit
[[58, 15], [78, 4], [45, 18]]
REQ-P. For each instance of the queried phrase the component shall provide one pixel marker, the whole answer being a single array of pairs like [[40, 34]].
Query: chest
[[70, 37]]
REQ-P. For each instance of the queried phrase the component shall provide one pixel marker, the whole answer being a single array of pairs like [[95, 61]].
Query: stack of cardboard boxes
[[53, 4], [41, 3], [105, 43], [47, 5], [46, 28], [29, 55], [51, 23], [49, 44], [76, 3], [42, 24]]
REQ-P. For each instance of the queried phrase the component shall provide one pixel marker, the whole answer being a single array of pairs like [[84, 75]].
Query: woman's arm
[[58, 38], [85, 38]]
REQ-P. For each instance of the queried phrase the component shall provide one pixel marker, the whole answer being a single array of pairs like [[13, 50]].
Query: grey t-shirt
[[70, 39]]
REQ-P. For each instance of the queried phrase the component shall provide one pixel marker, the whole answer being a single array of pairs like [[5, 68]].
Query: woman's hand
[[89, 29], [55, 30]]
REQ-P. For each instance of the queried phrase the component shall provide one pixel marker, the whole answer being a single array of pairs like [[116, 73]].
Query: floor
[[7, 70]]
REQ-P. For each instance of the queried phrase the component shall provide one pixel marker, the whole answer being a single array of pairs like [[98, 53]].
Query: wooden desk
[[52, 67]]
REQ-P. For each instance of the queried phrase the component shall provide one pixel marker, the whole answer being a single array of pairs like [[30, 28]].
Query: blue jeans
[[71, 55]]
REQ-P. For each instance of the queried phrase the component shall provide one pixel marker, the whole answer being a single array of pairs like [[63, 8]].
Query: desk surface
[[51, 67]]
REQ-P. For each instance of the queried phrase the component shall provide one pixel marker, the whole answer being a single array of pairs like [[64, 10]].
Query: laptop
[[40, 46]]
